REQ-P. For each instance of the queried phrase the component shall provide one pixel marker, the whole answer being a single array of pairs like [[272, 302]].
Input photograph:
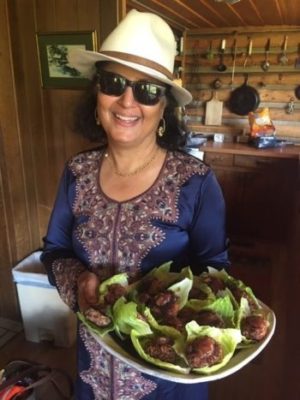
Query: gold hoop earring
[[96, 117], [162, 127]]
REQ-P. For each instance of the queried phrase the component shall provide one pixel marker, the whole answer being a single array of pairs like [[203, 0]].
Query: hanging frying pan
[[297, 92], [244, 99]]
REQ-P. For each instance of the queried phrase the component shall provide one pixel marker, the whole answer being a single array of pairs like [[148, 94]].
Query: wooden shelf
[[241, 70]]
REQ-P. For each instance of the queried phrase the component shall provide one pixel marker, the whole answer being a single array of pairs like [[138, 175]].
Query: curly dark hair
[[85, 122]]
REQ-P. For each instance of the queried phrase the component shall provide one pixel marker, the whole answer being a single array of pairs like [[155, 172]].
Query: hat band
[[139, 60]]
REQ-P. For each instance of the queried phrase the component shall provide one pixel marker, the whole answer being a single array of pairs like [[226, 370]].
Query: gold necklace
[[135, 171]]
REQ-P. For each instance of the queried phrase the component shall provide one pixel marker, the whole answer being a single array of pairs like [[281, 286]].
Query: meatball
[[97, 317], [214, 283], [203, 352], [208, 317], [239, 293], [254, 327], [115, 291], [164, 305], [148, 288], [151, 285], [187, 314], [175, 322], [196, 293], [161, 347]]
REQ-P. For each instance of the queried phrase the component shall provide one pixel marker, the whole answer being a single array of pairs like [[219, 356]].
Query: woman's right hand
[[88, 284]]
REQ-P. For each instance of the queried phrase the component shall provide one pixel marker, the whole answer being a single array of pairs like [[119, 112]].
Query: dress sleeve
[[58, 256], [208, 237]]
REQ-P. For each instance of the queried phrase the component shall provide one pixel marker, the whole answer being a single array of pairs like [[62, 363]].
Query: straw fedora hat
[[142, 41]]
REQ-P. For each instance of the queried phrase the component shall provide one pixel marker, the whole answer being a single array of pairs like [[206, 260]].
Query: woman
[[133, 203]]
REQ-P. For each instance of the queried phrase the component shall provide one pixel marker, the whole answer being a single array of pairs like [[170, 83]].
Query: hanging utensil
[[297, 92], [244, 99], [233, 62], [283, 58], [290, 106], [265, 65], [221, 67], [297, 62], [209, 53], [249, 52], [217, 84]]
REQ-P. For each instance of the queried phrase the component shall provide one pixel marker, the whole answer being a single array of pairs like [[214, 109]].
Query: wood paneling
[[192, 14], [16, 233], [36, 137]]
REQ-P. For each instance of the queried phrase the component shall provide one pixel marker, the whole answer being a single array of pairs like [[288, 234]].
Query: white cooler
[[45, 316]]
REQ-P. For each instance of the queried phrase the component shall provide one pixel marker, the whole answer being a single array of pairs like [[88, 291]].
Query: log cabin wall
[[276, 87], [35, 124]]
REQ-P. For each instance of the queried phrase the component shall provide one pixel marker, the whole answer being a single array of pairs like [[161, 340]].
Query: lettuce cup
[[157, 280], [159, 350], [253, 324], [207, 349], [237, 288], [99, 317]]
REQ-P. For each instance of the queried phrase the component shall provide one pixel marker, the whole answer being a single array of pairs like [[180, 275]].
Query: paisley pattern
[[67, 283], [128, 383], [107, 235]]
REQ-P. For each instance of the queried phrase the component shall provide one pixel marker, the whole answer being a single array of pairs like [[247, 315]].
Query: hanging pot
[[244, 99], [297, 92]]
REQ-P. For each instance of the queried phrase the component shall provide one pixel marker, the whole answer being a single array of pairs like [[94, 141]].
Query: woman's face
[[124, 119]]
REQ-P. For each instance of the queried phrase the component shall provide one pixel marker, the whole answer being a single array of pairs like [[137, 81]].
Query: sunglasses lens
[[112, 85], [146, 93]]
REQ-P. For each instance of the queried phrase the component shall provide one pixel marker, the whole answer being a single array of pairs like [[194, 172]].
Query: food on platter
[[99, 317], [179, 321]]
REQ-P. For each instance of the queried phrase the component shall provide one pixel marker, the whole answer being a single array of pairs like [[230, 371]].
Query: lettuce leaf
[[139, 341], [233, 282], [228, 338], [166, 330], [126, 318], [181, 290], [121, 279]]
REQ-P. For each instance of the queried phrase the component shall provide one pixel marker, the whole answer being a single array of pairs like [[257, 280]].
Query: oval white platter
[[241, 358]]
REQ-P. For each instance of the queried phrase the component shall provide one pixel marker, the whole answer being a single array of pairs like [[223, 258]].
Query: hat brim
[[84, 61]]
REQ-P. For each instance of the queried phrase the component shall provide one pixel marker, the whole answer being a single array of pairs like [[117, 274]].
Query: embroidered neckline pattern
[[106, 232]]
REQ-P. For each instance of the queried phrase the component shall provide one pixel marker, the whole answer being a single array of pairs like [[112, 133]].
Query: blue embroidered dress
[[181, 217]]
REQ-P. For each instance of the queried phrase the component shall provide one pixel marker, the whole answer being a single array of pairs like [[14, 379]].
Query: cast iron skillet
[[244, 99], [297, 92]]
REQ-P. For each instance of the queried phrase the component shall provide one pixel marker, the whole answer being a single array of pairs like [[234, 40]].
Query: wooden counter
[[288, 151]]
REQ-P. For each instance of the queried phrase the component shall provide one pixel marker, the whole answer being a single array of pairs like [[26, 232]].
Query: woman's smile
[[126, 119]]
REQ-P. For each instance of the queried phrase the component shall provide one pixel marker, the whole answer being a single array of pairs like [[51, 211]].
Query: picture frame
[[53, 48]]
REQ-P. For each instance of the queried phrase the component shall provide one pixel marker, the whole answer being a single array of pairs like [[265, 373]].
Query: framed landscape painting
[[53, 49]]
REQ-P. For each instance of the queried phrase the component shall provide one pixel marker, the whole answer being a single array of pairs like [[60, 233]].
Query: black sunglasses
[[145, 92]]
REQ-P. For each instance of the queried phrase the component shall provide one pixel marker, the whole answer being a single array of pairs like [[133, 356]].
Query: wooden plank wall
[[35, 124], [276, 87]]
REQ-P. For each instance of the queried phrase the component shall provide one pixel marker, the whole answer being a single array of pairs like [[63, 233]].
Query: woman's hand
[[88, 284]]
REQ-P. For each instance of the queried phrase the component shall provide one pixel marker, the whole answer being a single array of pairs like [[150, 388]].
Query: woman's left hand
[[88, 284]]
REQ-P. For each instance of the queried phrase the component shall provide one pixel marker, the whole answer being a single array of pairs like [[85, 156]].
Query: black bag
[[31, 381]]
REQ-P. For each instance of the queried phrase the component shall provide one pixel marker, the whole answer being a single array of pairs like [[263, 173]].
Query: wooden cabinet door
[[268, 192], [259, 194], [232, 182]]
